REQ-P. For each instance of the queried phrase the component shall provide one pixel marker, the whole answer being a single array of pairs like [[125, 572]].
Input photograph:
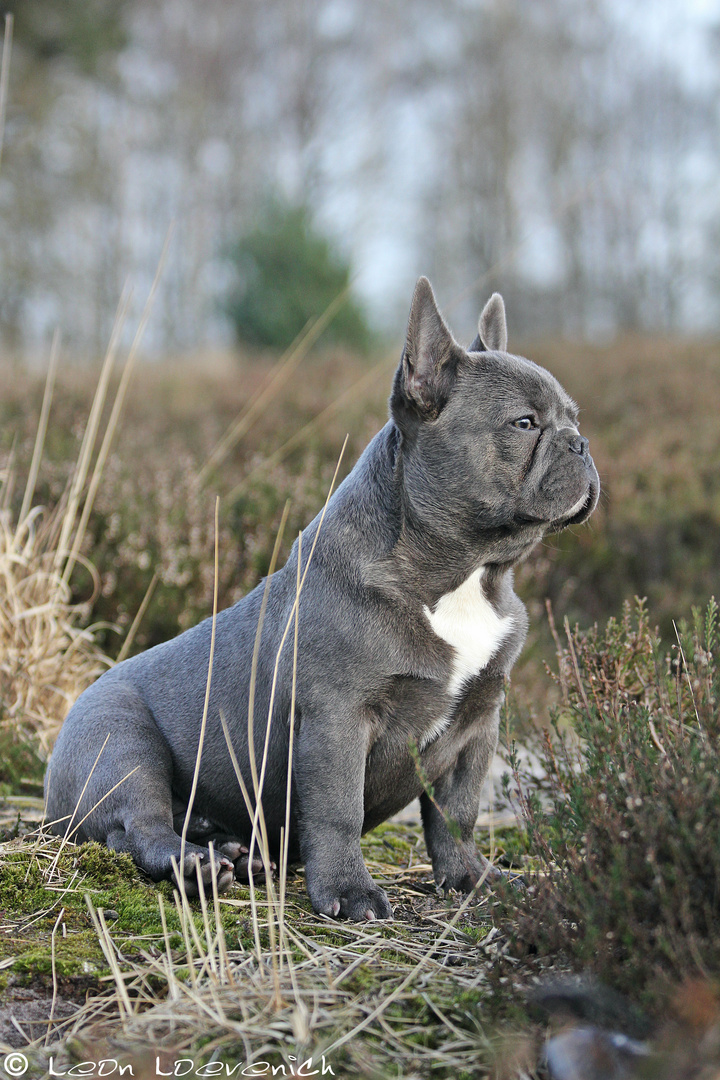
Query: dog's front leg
[[457, 864], [329, 773]]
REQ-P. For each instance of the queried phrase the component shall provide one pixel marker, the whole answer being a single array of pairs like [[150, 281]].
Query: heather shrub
[[157, 522], [625, 826]]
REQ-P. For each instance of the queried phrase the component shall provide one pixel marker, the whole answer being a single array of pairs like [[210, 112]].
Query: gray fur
[[492, 325], [451, 483]]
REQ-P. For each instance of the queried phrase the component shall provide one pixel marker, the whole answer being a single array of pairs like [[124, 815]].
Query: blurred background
[[565, 152]]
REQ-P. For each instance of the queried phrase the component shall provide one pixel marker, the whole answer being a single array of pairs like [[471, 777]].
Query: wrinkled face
[[517, 434], [504, 454], [492, 452]]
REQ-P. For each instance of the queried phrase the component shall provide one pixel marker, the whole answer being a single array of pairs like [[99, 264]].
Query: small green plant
[[626, 823], [287, 273]]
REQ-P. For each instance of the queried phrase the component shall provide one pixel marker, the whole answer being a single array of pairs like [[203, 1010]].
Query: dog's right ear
[[429, 359]]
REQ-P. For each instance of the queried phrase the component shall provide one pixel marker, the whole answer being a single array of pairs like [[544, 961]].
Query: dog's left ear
[[492, 327], [429, 359]]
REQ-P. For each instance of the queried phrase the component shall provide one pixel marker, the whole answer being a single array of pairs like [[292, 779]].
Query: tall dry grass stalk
[[5, 75], [284, 367], [47, 656]]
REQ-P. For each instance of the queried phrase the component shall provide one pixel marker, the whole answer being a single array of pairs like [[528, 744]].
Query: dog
[[407, 627]]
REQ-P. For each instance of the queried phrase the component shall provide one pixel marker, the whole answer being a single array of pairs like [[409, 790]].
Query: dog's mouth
[[578, 513]]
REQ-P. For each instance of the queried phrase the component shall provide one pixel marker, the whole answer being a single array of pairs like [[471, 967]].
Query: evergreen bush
[[286, 274]]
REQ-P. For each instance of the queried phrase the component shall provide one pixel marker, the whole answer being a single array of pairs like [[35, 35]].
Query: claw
[[370, 915], [336, 908]]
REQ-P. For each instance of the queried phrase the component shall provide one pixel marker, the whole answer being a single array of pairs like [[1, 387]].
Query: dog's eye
[[525, 423]]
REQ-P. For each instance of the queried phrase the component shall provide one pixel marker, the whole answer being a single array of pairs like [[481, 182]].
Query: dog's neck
[[432, 565], [411, 558], [427, 567]]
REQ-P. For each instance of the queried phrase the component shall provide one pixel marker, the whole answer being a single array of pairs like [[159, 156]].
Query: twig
[[5, 76], [576, 666], [130, 636], [687, 676], [54, 975], [203, 724], [283, 369], [42, 429]]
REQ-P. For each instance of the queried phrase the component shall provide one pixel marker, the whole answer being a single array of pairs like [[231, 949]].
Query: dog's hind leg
[[110, 779]]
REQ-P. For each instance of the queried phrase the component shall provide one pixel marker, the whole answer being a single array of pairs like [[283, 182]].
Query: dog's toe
[[378, 908], [198, 872], [360, 906], [367, 908], [225, 879], [233, 849], [242, 870]]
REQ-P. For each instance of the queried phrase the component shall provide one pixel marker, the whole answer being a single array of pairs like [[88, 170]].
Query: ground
[[126, 991]]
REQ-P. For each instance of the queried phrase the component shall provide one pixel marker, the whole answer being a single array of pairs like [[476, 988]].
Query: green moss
[[477, 931], [362, 979], [37, 961], [113, 883], [105, 867]]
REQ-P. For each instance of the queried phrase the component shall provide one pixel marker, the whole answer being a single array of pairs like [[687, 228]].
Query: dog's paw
[[232, 849], [468, 875], [197, 868], [242, 866], [361, 904]]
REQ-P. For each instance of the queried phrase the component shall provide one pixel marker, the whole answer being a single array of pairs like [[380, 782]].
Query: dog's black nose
[[578, 444]]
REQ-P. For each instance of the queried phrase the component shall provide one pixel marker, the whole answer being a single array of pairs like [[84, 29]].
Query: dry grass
[[47, 658], [395, 999], [296, 1003]]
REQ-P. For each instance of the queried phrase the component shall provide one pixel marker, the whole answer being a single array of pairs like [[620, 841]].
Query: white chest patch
[[466, 621]]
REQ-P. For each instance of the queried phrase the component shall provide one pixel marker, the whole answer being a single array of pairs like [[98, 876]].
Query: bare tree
[[535, 145]]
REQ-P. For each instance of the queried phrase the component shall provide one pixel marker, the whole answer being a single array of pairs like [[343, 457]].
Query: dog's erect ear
[[492, 325], [428, 361]]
